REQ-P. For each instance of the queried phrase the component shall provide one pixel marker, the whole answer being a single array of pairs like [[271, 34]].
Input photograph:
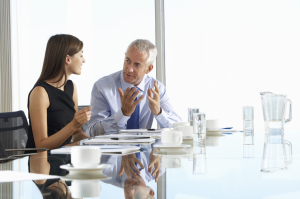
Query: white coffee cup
[[171, 138], [187, 131], [177, 124], [85, 156], [212, 124], [168, 162], [85, 188]]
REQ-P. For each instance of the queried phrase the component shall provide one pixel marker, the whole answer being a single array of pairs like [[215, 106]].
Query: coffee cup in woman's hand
[[81, 117]]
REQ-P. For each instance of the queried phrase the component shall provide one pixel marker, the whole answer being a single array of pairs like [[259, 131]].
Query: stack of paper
[[105, 149], [129, 136]]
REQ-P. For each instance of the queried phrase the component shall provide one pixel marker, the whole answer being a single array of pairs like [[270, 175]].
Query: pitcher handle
[[290, 150], [290, 113]]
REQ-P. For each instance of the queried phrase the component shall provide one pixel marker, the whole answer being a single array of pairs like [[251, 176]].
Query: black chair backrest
[[13, 130], [2, 152]]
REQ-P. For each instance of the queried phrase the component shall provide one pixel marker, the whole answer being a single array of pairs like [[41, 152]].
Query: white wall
[[105, 27], [221, 54]]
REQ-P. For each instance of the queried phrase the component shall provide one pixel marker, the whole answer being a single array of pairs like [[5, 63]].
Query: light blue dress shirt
[[107, 116]]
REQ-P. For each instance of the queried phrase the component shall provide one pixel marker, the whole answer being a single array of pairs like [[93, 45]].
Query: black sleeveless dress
[[60, 112]]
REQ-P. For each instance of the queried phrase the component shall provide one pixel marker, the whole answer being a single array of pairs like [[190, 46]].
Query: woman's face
[[75, 63]]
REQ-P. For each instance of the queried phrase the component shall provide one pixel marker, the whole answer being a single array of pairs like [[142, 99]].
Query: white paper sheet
[[12, 176], [106, 149]]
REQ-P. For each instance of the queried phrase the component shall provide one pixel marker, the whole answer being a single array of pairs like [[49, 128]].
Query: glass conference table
[[217, 170]]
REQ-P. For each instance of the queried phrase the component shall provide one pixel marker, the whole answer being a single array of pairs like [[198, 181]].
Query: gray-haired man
[[116, 97]]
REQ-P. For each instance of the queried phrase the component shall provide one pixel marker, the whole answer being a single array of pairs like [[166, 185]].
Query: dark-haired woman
[[54, 119]]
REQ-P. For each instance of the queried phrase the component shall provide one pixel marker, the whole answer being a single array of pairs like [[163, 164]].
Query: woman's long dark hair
[[58, 47]]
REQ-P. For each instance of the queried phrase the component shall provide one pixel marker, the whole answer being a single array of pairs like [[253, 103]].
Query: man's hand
[[128, 165], [127, 100], [154, 102], [154, 162]]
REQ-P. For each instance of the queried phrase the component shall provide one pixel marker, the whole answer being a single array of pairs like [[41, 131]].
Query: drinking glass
[[199, 125], [248, 127], [191, 111]]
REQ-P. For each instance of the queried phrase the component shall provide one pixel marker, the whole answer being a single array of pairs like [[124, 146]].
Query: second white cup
[[85, 156], [171, 138]]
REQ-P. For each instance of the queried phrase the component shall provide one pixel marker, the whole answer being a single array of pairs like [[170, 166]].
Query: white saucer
[[172, 153], [161, 146], [187, 137], [95, 170], [85, 177]]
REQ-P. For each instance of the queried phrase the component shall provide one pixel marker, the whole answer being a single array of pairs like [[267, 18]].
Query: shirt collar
[[125, 85]]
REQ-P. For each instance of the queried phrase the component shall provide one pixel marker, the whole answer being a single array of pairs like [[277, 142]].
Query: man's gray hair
[[145, 46]]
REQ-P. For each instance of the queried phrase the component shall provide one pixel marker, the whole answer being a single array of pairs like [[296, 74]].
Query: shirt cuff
[[120, 118], [162, 119]]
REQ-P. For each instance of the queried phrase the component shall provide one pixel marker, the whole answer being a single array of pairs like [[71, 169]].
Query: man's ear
[[151, 192], [149, 69], [68, 59]]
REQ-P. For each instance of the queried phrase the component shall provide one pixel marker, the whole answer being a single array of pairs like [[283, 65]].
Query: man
[[129, 92]]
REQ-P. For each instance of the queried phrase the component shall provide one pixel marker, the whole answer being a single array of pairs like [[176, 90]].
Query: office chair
[[13, 132]]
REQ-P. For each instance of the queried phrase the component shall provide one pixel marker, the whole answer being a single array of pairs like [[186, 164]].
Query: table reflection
[[45, 163], [134, 183]]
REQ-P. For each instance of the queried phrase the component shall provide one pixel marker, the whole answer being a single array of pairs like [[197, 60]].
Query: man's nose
[[130, 67]]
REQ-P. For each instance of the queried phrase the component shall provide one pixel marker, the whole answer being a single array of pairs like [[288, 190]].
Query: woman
[[54, 119]]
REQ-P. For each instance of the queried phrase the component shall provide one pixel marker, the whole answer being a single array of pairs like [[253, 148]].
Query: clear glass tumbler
[[248, 127], [199, 124], [191, 111]]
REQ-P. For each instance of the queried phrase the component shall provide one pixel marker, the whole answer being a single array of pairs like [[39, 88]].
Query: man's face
[[135, 66], [136, 185]]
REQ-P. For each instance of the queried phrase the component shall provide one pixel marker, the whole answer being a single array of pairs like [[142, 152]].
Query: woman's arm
[[79, 134], [38, 104]]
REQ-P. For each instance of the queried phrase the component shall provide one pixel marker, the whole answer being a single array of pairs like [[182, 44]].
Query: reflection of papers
[[107, 149], [140, 131], [126, 141], [12, 176]]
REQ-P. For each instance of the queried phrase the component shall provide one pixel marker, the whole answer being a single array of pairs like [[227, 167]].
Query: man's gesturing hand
[[127, 100], [154, 102]]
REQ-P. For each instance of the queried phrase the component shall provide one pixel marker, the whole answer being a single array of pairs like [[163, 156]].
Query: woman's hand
[[81, 117]]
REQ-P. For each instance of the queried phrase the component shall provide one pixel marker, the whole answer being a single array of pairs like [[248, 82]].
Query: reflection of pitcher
[[275, 153], [274, 107]]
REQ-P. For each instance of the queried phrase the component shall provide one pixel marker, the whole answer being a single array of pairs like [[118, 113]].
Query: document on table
[[105, 149], [140, 131], [129, 136], [120, 141], [12, 176]]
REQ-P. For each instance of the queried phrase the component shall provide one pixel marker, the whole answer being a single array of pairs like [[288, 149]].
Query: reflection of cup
[[171, 138], [212, 141], [85, 188], [171, 162], [186, 130], [85, 156]]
